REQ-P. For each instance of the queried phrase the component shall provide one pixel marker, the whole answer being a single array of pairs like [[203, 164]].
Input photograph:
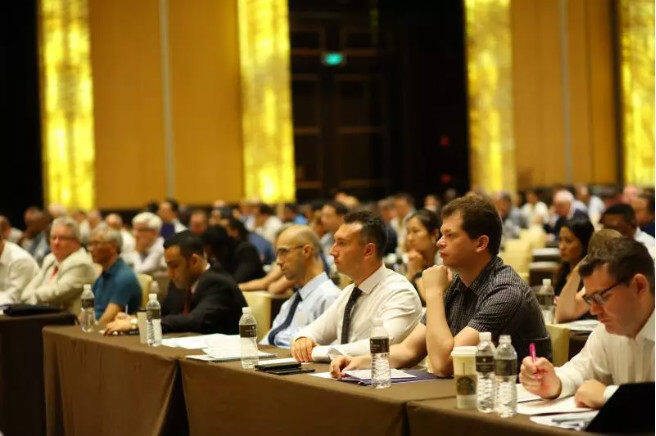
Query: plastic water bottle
[[88, 318], [379, 344], [547, 298], [248, 339], [505, 371], [485, 371], [153, 321]]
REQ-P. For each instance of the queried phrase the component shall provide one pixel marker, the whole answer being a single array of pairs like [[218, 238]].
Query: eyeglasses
[[599, 297], [283, 251]]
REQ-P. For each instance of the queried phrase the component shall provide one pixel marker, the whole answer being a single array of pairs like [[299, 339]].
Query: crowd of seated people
[[433, 275]]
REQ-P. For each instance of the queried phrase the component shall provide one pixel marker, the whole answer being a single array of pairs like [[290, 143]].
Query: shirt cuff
[[567, 386], [609, 391]]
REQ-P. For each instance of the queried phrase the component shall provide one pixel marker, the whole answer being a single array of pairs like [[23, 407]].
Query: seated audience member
[[563, 206], [512, 219], [168, 212], [570, 304], [7, 232], [593, 204], [198, 222], [386, 211], [117, 289], [93, 218], [535, 211], [573, 243], [237, 230], [35, 237], [404, 205], [237, 258], [290, 214], [332, 216], [422, 233], [114, 221], [376, 292], [622, 218], [432, 203], [484, 295], [148, 256], [619, 286], [266, 222], [199, 299], [643, 206], [298, 253], [17, 269], [65, 270]]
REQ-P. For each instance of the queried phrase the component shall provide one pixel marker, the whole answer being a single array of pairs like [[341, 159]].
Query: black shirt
[[500, 302]]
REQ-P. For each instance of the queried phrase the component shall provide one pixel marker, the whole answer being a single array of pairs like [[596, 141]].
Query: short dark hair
[[265, 209], [373, 229], [428, 219], [220, 244], [625, 258], [239, 227], [479, 217], [340, 209], [407, 197], [624, 210], [189, 243], [174, 204]]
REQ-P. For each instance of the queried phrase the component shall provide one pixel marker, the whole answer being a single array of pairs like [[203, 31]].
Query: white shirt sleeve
[[323, 329], [21, 272], [590, 363]]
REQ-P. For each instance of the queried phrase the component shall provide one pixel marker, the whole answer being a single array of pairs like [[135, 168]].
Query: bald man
[[298, 255], [114, 221]]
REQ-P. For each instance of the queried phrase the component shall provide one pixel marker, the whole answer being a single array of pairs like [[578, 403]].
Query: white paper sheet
[[582, 325], [523, 395], [365, 374], [572, 421], [321, 374], [541, 407], [200, 342]]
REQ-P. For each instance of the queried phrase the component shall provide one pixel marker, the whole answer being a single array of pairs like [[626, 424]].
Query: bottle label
[[379, 345], [87, 303], [465, 384], [484, 364], [153, 314], [505, 367], [248, 331]]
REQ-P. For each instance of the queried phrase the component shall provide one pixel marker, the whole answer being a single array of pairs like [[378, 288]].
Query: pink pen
[[531, 350]]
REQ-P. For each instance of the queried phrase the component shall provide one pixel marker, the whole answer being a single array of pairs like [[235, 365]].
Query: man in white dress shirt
[[619, 286], [17, 268], [376, 292], [621, 217], [65, 270], [114, 221], [298, 254], [148, 256]]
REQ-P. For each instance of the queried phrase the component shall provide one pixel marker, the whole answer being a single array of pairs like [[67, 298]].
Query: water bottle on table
[[153, 321], [379, 344], [485, 371], [88, 316], [248, 339], [505, 371], [547, 300]]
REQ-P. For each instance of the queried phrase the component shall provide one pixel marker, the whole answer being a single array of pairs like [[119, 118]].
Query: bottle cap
[[246, 309], [152, 297], [546, 282], [464, 351], [505, 339], [485, 336]]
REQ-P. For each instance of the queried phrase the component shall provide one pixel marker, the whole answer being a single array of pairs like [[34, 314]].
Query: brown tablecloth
[[22, 406], [223, 398], [432, 417], [111, 385]]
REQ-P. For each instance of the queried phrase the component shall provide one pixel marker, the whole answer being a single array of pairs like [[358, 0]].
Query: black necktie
[[288, 320], [346, 323]]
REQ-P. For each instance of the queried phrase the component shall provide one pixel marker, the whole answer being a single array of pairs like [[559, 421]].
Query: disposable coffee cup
[[464, 373], [141, 324]]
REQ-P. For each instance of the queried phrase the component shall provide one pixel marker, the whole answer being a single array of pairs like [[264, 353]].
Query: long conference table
[[115, 385]]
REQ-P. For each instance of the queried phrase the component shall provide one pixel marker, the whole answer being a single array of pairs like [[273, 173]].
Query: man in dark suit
[[199, 299]]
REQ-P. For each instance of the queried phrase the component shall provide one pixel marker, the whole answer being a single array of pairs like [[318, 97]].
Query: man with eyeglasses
[[619, 286], [65, 270], [298, 254]]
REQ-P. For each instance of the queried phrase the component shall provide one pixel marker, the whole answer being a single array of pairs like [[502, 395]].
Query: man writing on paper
[[298, 255], [199, 299], [619, 287], [484, 295], [376, 292]]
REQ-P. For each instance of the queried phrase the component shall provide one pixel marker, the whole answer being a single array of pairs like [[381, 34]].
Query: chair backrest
[[559, 335], [144, 281], [260, 304]]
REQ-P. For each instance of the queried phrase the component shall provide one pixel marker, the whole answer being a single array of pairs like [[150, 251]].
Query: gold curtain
[[66, 103], [636, 19], [489, 74], [266, 100]]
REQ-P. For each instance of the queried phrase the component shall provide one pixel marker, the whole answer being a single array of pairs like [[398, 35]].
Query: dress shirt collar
[[193, 287], [479, 285], [313, 284], [370, 282], [638, 234], [647, 331]]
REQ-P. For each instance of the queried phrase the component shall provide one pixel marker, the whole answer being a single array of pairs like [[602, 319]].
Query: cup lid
[[464, 351]]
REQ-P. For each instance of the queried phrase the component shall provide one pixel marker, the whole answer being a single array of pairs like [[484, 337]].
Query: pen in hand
[[531, 350]]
